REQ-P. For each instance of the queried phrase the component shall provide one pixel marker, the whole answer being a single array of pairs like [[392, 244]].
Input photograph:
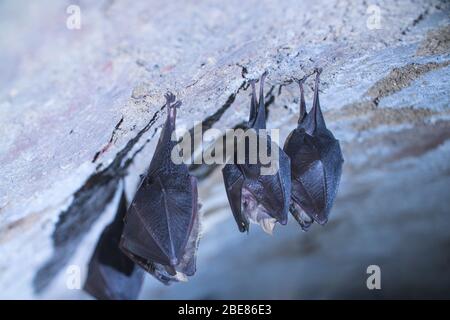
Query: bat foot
[[170, 97], [170, 100]]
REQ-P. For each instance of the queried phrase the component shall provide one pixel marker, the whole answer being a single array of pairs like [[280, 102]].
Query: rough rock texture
[[80, 109]]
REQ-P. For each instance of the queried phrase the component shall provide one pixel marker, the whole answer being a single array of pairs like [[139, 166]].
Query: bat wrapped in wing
[[162, 224], [316, 163], [255, 197]]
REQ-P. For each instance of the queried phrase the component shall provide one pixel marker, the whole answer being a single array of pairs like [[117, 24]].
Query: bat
[[316, 163], [162, 224], [253, 197], [111, 274]]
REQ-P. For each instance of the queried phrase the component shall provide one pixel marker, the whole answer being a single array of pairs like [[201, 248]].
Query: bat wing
[[310, 192], [302, 150], [332, 159], [168, 274], [234, 181], [160, 219], [111, 274], [104, 282], [187, 265], [285, 177], [308, 175], [276, 190]]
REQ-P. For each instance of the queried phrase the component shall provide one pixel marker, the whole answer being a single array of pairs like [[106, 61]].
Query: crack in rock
[[209, 121], [201, 171], [416, 21], [111, 140]]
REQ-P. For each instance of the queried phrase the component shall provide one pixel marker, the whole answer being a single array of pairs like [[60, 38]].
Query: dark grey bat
[[316, 163], [162, 224], [112, 275], [254, 197]]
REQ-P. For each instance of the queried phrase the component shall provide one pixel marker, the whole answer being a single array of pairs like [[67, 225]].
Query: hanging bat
[[316, 163], [111, 274], [253, 197], [162, 224]]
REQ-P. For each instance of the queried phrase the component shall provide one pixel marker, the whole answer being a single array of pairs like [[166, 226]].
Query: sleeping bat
[[111, 274], [316, 163], [253, 197], [162, 224]]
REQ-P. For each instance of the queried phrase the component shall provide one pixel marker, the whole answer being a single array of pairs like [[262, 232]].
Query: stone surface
[[80, 109]]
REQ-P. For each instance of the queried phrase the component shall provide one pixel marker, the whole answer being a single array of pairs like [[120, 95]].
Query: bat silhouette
[[111, 274], [316, 163], [162, 224], [253, 197]]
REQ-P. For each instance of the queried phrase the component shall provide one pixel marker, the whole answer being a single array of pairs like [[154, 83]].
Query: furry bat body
[[316, 161], [112, 275], [162, 224], [253, 197]]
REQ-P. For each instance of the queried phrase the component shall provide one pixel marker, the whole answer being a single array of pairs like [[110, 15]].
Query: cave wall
[[80, 110]]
